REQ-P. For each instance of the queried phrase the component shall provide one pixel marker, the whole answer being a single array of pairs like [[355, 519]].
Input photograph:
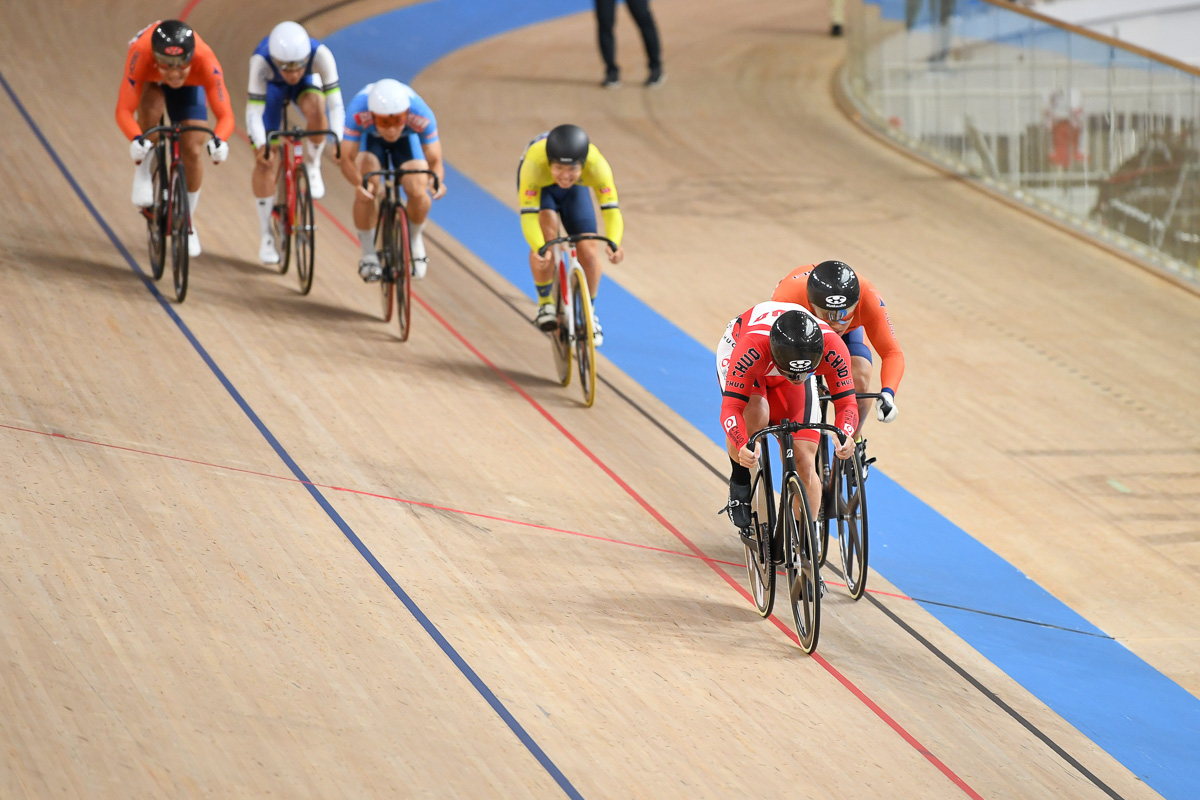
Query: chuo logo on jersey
[[835, 301], [730, 423]]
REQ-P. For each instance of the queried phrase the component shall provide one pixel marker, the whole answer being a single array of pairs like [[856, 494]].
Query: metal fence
[[1095, 133]]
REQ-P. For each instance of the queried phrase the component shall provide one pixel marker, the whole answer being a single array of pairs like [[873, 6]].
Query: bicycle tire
[[156, 218], [826, 474], [852, 526], [304, 233], [180, 226], [281, 229], [760, 566], [385, 249], [804, 584], [560, 337], [585, 335], [404, 276]]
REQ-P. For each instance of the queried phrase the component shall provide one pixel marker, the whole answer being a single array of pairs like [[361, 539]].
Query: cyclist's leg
[[311, 101], [266, 173], [186, 105], [149, 112], [417, 189], [579, 216], [548, 221], [755, 414], [860, 368], [368, 160], [800, 404]]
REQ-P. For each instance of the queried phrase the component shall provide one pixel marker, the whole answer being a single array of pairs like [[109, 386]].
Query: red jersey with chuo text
[[746, 369]]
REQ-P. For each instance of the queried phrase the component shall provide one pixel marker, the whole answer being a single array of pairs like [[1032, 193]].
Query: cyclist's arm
[[879, 330], [529, 198], [598, 174], [433, 154], [335, 108], [129, 96], [349, 160], [747, 363], [256, 102], [835, 369], [214, 90]]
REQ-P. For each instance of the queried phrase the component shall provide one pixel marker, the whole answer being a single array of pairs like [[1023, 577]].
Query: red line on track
[[188, 9], [696, 551]]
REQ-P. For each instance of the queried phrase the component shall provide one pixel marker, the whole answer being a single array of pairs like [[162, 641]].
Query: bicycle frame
[[292, 158]]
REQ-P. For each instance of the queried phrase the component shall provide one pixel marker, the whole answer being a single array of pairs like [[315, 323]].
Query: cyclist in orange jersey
[[851, 305], [170, 68]]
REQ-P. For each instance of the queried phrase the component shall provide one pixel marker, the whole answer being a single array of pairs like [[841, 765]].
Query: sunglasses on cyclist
[[835, 315], [389, 120], [171, 61], [291, 66]]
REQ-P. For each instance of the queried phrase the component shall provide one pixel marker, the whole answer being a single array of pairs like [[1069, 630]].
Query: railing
[[1101, 135]]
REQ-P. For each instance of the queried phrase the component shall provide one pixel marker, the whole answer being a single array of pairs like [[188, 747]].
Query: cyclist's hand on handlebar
[[263, 153], [441, 189], [218, 151], [139, 148], [616, 256], [887, 406], [545, 259], [845, 448], [364, 193], [748, 458]]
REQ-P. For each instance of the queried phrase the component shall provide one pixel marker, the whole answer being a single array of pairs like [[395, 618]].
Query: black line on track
[[928, 645]]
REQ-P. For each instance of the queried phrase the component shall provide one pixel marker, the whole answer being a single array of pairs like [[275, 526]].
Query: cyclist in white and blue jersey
[[389, 126], [289, 66]]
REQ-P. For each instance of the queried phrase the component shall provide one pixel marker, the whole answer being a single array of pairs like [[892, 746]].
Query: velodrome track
[[484, 589]]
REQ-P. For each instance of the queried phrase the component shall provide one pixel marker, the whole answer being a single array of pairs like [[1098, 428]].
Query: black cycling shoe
[[739, 504]]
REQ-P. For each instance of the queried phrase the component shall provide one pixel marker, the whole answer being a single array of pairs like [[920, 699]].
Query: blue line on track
[[1142, 718], [346, 530]]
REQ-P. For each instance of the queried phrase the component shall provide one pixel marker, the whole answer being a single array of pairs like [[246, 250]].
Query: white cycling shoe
[[597, 331], [193, 243], [369, 269], [143, 187], [267, 253], [315, 182], [547, 318]]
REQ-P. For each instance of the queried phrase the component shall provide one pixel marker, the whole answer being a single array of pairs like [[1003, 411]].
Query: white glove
[[139, 149], [217, 150], [887, 406]]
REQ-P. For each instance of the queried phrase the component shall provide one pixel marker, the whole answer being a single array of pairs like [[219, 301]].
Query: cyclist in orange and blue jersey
[[851, 305], [553, 179]]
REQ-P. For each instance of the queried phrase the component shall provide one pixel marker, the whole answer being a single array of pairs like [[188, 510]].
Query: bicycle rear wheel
[[560, 337], [403, 273], [156, 215], [760, 568], [280, 227], [180, 226], [585, 335], [385, 247], [304, 232], [852, 525], [804, 585]]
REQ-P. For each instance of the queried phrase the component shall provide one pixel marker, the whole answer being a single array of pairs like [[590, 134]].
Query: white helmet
[[387, 97], [289, 43]]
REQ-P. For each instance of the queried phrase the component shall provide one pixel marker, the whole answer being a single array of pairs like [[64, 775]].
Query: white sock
[[414, 237], [263, 205], [193, 201], [367, 240], [314, 150]]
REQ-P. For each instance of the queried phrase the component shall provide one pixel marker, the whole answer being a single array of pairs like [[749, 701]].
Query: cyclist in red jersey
[[169, 67], [766, 362], [851, 305]]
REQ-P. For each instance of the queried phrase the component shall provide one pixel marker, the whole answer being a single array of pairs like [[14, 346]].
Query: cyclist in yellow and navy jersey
[[556, 171]]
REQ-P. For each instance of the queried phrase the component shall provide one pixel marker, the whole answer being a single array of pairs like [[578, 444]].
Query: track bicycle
[[573, 308], [292, 215], [785, 537], [844, 504], [169, 213], [393, 247]]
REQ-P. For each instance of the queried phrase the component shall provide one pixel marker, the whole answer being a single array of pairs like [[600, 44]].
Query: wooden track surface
[[183, 617]]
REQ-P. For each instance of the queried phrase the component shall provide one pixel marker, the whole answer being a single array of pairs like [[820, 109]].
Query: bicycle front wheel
[[585, 335], [156, 217], [385, 248], [304, 232], [560, 337], [826, 472], [404, 278], [180, 227], [804, 583], [281, 223], [852, 524]]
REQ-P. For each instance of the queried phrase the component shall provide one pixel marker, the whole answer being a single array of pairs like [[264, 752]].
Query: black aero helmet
[[797, 344], [173, 43], [567, 144], [832, 288]]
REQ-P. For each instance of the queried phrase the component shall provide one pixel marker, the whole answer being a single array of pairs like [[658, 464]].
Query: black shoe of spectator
[[612, 79], [656, 78], [836, 30]]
